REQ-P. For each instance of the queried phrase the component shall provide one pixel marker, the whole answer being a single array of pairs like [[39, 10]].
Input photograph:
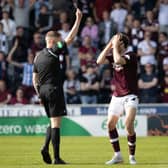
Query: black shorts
[[53, 100]]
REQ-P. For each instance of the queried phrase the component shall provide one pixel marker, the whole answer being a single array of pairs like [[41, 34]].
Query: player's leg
[[114, 111], [131, 135], [131, 108]]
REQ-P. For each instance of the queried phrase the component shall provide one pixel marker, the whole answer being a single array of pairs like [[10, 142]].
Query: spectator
[[165, 66], [151, 25], [126, 4], [5, 96], [9, 26], [139, 8], [27, 67], [20, 49], [164, 90], [3, 40], [23, 40], [162, 49], [147, 49], [107, 28], [129, 21], [64, 31], [137, 34], [86, 52], [60, 9], [63, 18], [72, 88], [32, 17], [105, 86], [100, 7], [21, 12], [44, 20], [37, 44], [90, 29], [59, 5], [37, 5], [2, 66], [19, 54], [118, 14], [19, 99], [89, 85], [7, 5], [162, 7], [147, 84]]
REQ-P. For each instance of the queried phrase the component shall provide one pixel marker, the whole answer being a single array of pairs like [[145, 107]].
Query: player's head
[[51, 38]]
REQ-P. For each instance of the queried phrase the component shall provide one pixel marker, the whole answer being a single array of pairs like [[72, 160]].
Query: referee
[[47, 81]]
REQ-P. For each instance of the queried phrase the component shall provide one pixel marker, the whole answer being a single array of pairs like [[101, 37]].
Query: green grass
[[82, 152]]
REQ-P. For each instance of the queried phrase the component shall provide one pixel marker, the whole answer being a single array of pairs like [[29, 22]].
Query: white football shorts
[[119, 104]]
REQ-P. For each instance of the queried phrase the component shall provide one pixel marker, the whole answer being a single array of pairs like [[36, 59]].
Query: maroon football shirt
[[124, 76]]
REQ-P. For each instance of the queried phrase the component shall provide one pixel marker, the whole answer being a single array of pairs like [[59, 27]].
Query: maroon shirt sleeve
[[130, 58]]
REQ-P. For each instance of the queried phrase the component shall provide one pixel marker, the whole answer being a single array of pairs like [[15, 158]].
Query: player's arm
[[35, 82], [75, 28], [118, 59], [102, 57]]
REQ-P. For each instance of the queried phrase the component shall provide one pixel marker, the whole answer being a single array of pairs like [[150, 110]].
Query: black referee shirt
[[47, 64]]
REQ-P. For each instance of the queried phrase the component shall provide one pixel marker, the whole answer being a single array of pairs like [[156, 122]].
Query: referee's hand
[[78, 13]]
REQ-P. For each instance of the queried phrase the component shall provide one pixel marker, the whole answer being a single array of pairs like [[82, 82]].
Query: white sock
[[131, 156], [117, 153]]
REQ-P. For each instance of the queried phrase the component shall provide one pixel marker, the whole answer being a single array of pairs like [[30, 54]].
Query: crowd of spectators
[[23, 24]]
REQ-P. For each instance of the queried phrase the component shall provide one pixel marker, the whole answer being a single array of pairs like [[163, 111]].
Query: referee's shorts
[[53, 100]]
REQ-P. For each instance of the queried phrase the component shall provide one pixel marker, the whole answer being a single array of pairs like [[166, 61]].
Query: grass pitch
[[82, 152]]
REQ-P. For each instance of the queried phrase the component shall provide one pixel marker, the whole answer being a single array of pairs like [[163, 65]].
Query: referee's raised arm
[[75, 27]]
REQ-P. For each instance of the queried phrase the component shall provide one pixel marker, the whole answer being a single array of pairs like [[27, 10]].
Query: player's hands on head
[[78, 13], [116, 41]]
